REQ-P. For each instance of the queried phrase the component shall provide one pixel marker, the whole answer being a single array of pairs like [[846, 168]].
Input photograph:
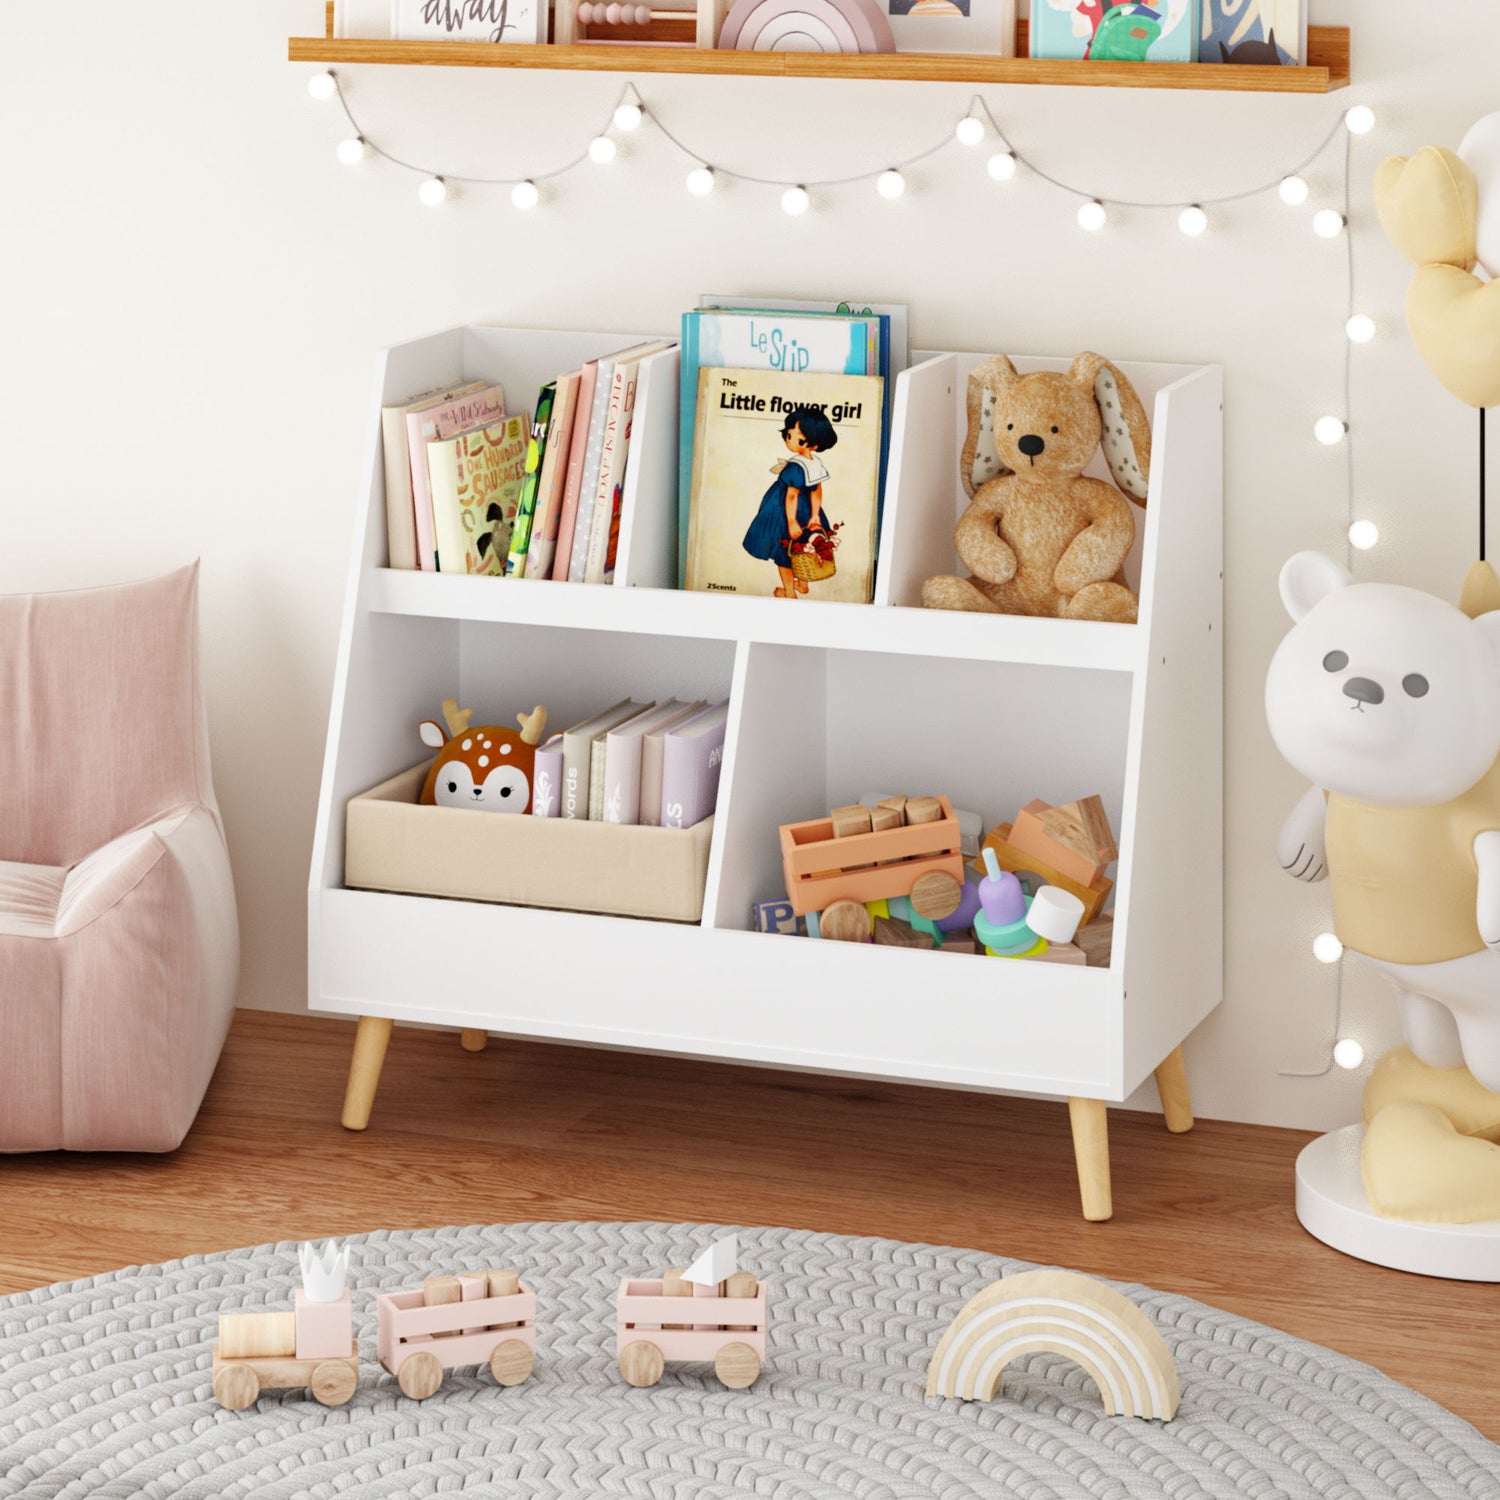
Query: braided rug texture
[[105, 1392]]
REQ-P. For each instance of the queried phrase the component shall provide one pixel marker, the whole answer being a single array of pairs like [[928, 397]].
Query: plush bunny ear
[[980, 460], [1309, 577], [1124, 431]]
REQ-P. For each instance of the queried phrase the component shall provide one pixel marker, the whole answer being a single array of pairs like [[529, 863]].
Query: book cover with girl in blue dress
[[786, 472]]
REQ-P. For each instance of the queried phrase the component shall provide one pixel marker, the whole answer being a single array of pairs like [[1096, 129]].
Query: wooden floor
[[527, 1131]]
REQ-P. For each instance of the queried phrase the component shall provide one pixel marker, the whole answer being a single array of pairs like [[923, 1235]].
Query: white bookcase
[[828, 701]]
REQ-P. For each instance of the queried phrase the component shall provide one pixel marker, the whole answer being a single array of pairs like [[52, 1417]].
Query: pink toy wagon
[[417, 1342], [728, 1332]]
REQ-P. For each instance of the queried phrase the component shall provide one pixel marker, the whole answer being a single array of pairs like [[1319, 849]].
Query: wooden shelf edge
[[1328, 68]]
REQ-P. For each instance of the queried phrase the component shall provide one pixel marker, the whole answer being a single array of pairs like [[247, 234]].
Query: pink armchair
[[119, 944]]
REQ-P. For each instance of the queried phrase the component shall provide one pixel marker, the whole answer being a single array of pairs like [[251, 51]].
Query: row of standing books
[[471, 489], [643, 763]]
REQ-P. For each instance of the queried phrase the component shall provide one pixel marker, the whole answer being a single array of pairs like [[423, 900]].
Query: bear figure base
[[1332, 1207]]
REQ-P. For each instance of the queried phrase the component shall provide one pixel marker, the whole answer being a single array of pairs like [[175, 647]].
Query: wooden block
[[896, 804], [1084, 828], [936, 895], [1097, 939], [439, 1291], [1061, 953], [324, 1329], [777, 916], [884, 816], [674, 1285], [503, 1284], [959, 942], [252, 1335], [1029, 834], [845, 922], [1010, 858], [741, 1284], [851, 820], [1090, 812], [923, 810], [892, 933]]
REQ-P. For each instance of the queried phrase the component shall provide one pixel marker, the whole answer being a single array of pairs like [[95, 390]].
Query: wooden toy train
[[481, 1318]]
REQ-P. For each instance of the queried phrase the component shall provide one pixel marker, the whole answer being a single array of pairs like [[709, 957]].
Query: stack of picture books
[[470, 489], [765, 504], [642, 763]]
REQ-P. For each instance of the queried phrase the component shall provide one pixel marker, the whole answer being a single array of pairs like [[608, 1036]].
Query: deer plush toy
[[1039, 537], [488, 768]]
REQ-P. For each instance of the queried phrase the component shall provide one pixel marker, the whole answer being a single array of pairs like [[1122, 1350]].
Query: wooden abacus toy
[[682, 25], [728, 1326], [483, 1318], [313, 1345]]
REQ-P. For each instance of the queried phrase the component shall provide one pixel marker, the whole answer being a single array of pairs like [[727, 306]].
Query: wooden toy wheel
[[420, 1376], [236, 1387], [333, 1382], [511, 1362], [737, 1365], [641, 1363], [936, 895]]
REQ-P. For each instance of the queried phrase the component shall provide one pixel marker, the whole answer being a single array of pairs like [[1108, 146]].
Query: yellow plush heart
[[1428, 207], [1400, 1077], [1454, 319], [1416, 1166]]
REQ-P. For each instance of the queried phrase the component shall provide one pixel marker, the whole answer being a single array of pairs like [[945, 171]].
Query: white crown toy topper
[[323, 1274]]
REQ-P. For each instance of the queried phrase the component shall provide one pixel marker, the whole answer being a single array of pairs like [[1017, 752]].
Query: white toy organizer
[[828, 701]]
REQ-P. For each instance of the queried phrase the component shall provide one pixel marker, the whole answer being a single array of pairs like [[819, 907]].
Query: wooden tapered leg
[[364, 1070], [1172, 1085], [474, 1038], [1090, 1122]]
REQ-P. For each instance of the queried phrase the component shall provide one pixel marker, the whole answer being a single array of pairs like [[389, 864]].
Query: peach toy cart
[[416, 1343], [728, 1332]]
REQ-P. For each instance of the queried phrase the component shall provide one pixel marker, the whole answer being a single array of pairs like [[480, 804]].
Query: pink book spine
[[581, 415], [477, 410], [611, 467], [690, 774]]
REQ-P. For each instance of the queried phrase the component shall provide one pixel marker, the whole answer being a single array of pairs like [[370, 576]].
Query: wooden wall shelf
[[1327, 47]]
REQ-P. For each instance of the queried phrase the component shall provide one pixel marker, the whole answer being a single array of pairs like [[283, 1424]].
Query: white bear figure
[[1388, 700]]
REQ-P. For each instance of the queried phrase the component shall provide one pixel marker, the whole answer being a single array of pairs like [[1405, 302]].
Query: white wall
[[194, 290]]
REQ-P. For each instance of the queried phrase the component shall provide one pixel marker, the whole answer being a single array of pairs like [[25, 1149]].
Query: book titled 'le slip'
[[692, 757]]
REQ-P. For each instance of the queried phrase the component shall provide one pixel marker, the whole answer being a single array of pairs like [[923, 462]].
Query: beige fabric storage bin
[[391, 843]]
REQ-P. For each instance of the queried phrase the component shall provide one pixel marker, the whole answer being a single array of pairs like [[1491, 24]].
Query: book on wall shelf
[[1116, 30], [1268, 33]]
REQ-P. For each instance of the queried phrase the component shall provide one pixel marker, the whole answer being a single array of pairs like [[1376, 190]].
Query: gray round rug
[[104, 1392]]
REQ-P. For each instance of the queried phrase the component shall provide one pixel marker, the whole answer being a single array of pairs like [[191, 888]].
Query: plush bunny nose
[[1362, 690], [1031, 445]]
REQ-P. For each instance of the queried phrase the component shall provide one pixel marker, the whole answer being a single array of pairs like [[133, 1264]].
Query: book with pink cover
[[604, 533], [567, 521], [400, 518], [478, 408], [649, 813], [622, 761], [549, 495], [691, 758], [546, 779]]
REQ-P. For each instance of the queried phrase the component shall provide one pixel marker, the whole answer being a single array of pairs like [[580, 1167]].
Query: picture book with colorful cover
[[544, 523], [1116, 30], [692, 758], [786, 471], [476, 482], [447, 419], [1271, 33], [536, 449], [400, 518], [750, 339]]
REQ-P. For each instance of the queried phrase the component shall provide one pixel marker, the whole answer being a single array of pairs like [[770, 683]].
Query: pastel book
[[604, 534], [547, 777], [785, 488], [476, 490], [578, 750], [692, 757], [549, 497], [588, 380], [1269, 33], [445, 419], [1116, 30], [765, 339], [652, 745], [400, 517], [621, 799]]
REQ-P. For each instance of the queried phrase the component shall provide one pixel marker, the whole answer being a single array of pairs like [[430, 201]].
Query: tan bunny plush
[[1039, 537]]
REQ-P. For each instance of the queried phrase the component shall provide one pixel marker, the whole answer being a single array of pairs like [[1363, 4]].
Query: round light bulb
[[700, 181], [1001, 166], [890, 184], [602, 150], [970, 130], [1348, 1053], [352, 151], [1091, 216], [1192, 221], [1293, 191], [1327, 949], [1359, 119], [1328, 223], [432, 191], [795, 201], [1363, 535], [1330, 430], [1360, 328], [525, 194], [628, 116], [322, 85]]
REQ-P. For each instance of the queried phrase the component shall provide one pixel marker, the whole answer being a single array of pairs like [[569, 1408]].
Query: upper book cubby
[[1327, 67]]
